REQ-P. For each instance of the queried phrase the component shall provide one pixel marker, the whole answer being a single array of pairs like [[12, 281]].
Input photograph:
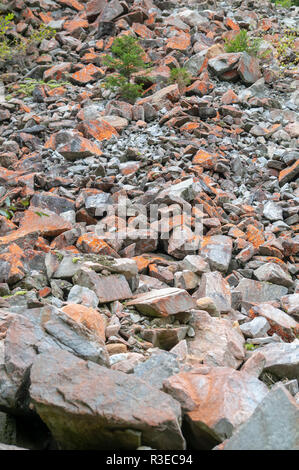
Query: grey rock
[[274, 425], [255, 328], [157, 368]]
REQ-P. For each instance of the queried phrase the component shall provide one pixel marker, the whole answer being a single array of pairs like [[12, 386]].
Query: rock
[[281, 323], [255, 328], [289, 173], [157, 368], [216, 341], [217, 250], [115, 410], [30, 333], [224, 63], [272, 426], [208, 304], [281, 359], [248, 68], [272, 272], [88, 317], [290, 303], [84, 296], [106, 288], [256, 292], [272, 211], [194, 263], [213, 285], [209, 417], [163, 302], [164, 338]]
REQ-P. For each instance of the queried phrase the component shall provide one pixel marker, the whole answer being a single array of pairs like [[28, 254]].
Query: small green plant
[[286, 3], [181, 76], [126, 60], [10, 48], [243, 43], [250, 347], [286, 53], [9, 209], [27, 86]]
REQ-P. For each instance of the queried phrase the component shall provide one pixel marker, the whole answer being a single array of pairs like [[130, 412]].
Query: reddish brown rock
[[87, 406], [281, 323], [215, 401], [163, 302], [99, 130], [89, 317]]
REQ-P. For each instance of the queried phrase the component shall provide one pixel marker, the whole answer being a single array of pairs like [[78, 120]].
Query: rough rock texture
[[274, 425], [215, 402], [87, 406]]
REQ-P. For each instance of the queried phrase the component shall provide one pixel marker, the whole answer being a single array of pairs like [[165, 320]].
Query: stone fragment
[[272, 272], [157, 368], [217, 250], [107, 288], [281, 359], [274, 425], [213, 285], [91, 407], [83, 295], [255, 328], [87, 316], [281, 323], [215, 401], [216, 341], [163, 302], [248, 68], [290, 303], [256, 292]]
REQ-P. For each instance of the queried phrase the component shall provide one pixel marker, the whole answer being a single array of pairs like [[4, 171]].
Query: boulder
[[274, 425], [215, 401], [89, 407]]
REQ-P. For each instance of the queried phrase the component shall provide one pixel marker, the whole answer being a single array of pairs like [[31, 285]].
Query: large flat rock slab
[[216, 400], [86, 406], [163, 302], [274, 425]]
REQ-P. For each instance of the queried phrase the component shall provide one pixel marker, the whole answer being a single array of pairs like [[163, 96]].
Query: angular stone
[[281, 323], [217, 250], [272, 272], [107, 288], [195, 263], [290, 303], [289, 173], [91, 407], [256, 292], [281, 359], [157, 368], [29, 334], [224, 63], [87, 316], [215, 401], [216, 341], [249, 69], [84, 296], [255, 328], [213, 285], [163, 302], [272, 211], [208, 305], [164, 338], [274, 425]]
